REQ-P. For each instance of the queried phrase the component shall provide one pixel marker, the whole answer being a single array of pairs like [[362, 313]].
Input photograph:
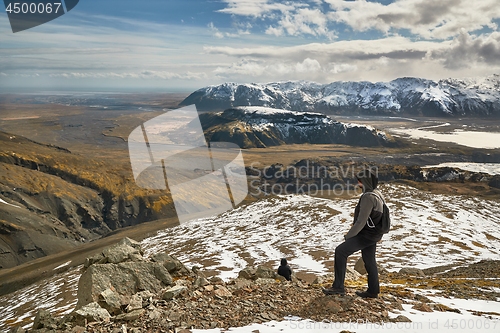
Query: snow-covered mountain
[[256, 126], [416, 96]]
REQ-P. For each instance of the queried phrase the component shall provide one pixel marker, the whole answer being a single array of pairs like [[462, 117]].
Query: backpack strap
[[370, 222], [377, 195]]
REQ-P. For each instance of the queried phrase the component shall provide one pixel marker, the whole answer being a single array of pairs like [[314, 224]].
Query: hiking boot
[[366, 294], [333, 291]]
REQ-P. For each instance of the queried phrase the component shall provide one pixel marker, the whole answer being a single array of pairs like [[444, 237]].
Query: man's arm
[[365, 209]]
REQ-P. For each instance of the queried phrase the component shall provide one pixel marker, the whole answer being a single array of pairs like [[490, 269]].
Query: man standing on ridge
[[363, 235]]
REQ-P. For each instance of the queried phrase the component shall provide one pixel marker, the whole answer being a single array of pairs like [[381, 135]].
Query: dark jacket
[[368, 212], [285, 270]]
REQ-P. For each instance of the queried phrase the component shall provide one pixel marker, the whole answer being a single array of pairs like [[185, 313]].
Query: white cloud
[[146, 74], [303, 21], [215, 32], [308, 66], [342, 68], [255, 8], [467, 51], [308, 69], [241, 29], [423, 18], [426, 18], [390, 47]]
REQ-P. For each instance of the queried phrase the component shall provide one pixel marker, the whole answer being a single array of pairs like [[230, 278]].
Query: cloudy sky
[[182, 45]]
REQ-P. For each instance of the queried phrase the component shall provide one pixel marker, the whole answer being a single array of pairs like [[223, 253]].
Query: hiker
[[363, 235], [285, 270]]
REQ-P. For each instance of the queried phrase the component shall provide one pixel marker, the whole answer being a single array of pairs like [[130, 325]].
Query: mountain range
[[402, 96]]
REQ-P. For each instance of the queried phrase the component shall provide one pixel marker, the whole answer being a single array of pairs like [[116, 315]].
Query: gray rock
[[216, 280], [126, 279], [173, 292], [44, 319], [411, 271], [240, 283], [110, 300], [401, 319], [135, 303], [132, 243], [265, 281], [91, 313], [222, 292], [281, 278], [196, 270], [200, 282], [133, 315], [351, 274], [360, 266], [248, 273], [125, 250], [120, 253], [163, 274], [155, 314], [171, 263], [264, 272], [17, 329]]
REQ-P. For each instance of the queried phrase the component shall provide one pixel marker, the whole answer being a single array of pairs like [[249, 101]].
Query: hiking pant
[[344, 250]]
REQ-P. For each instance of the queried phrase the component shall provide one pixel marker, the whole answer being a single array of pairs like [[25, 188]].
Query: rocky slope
[[53, 199], [410, 96], [259, 127], [161, 294]]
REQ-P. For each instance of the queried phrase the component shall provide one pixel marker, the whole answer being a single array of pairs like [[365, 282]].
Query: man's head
[[368, 179]]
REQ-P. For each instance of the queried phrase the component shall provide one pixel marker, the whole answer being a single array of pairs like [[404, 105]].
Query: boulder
[[222, 292], [247, 273], [133, 315], [126, 278], [91, 312], [264, 272], [44, 319], [17, 329], [240, 283], [216, 280], [360, 266], [411, 271], [121, 253], [125, 250], [111, 301], [171, 263], [173, 292], [200, 282], [259, 272]]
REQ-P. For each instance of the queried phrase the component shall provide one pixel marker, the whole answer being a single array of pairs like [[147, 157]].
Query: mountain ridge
[[406, 95], [260, 127]]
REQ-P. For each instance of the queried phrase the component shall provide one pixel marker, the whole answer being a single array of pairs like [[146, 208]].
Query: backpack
[[385, 221]]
